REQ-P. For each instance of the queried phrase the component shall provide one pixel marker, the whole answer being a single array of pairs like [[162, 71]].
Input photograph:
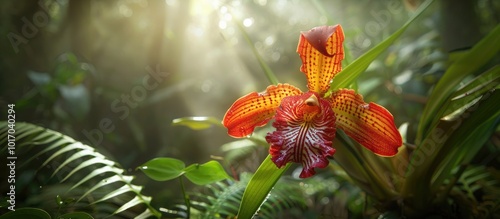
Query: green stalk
[[350, 158], [186, 197], [267, 70]]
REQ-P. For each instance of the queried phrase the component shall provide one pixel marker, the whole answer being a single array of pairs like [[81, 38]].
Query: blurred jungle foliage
[[115, 74]]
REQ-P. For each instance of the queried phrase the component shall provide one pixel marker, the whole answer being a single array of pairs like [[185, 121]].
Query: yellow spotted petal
[[256, 109], [321, 51], [369, 124]]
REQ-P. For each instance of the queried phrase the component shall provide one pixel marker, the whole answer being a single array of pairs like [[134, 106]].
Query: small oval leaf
[[206, 173], [197, 122], [163, 168]]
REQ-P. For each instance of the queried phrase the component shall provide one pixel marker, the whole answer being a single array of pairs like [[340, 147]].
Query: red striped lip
[[305, 129]]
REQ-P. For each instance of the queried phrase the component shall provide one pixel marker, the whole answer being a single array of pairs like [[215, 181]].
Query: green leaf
[[206, 173], [32, 213], [75, 156], [347, 76], [90, 162], [465, 65], [259, 187], [97, 172], [76, 215], [107, 181], [461, 154], [197, 122], [74, 146], [147, 214], [163, 168], [481, 81], [449, 134], [47, 148], [119, 191], [137, 200], [475, 88], [362, 166]]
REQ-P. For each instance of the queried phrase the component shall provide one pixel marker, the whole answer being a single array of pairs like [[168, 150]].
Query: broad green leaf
[[465, 65], [76, 215], [163, 168], [202, 174], [348, 76], [259, 187], [31, 213], [197, 122]]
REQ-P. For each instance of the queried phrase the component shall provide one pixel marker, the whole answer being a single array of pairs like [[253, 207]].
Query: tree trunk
[[460, 24]]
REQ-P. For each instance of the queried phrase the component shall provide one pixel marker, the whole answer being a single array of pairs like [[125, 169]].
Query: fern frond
[[92, 182], [481, 188], [222, 200]]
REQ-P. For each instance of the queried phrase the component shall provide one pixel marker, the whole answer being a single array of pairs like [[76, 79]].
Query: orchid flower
[[306, 122]]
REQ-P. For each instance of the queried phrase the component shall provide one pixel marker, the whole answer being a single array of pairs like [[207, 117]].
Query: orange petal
[[369, 124], [255, 109], [321, 51]]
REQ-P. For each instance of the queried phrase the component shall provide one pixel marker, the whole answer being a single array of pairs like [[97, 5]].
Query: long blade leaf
[[259, 187], [465, 65], [352, 71]]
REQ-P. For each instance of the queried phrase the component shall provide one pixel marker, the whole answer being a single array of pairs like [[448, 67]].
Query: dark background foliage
[[114, 74]]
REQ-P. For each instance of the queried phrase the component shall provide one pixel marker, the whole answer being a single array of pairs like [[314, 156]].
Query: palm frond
[[60, 174]]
